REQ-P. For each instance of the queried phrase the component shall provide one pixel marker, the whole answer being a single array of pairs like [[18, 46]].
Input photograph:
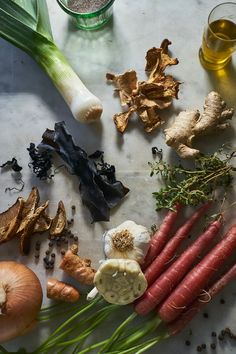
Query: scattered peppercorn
[[36, 255], [47, 252], [205, 315], [63, 252], [222, 301], [213, 334], [213, 346], [220, 337], [53, 255], [73, 207], [66, 241], [52, 261], [199, 348], [187, 342], [50, 244], [203, 346], [76, 238]]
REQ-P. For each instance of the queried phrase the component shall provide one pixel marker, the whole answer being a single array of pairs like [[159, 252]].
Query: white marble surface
[[29, 104]]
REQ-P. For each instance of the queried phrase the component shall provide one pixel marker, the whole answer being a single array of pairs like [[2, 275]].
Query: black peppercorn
[[213, 334], [199, 348], [213, 346], [187, 342], [53, 255], [47, 252]]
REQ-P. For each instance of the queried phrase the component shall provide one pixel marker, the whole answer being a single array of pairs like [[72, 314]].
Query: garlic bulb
[[128, 240], [20, 299], [120, 281]]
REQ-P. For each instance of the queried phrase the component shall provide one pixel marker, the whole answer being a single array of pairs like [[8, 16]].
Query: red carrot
[[168, 280], [193, 283], [161, 262], [176, 326], [161, 236]]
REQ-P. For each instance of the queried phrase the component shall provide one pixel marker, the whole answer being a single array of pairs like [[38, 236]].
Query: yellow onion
[[20, 299]]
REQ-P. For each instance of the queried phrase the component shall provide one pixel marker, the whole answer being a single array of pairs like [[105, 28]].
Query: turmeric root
[[190, 124], [57, 290], [77, 267]]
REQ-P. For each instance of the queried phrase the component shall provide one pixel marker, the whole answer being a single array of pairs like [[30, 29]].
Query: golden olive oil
[[219, 42]]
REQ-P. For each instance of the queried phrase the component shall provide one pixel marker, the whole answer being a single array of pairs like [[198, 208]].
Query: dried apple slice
[[59, 222], [10, 220]]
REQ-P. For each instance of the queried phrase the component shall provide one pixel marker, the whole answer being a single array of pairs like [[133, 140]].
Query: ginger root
[[58, 290], [189, 125], [77, 267]]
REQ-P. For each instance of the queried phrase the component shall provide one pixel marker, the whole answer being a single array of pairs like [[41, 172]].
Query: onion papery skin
[[23, 299]]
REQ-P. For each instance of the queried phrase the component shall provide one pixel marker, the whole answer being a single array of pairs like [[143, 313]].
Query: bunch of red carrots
[[178, 287]]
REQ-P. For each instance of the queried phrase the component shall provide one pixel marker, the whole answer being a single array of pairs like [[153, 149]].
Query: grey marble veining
[[29, 104]]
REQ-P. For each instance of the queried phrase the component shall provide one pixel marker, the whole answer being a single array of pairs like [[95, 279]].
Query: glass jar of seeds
[[88, 14]]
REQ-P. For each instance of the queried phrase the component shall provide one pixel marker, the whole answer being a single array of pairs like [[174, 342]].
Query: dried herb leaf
[[98, 193]]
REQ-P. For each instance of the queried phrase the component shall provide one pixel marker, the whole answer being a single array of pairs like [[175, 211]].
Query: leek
[[26, 24]]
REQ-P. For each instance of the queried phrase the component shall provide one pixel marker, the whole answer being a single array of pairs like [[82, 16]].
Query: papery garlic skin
[[128, 240]]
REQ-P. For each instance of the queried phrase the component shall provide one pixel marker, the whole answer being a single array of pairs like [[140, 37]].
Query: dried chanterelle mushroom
[[120, 281], [148, 97]]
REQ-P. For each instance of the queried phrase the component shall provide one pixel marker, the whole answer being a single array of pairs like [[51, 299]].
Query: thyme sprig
[[191, 186]]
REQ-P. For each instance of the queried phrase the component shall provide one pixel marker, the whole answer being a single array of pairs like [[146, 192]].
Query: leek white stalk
[[25, 23]]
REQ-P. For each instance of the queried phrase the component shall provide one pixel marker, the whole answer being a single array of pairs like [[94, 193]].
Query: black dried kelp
[[41, 162], [100, 191]]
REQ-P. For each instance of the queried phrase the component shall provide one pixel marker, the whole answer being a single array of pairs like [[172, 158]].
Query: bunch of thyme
[[192, 186]]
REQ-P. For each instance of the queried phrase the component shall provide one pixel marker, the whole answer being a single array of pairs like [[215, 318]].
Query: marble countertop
[[29, 104]]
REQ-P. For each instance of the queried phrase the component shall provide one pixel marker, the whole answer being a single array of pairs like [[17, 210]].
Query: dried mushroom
[[29, 208], [28, 225], [43, 223], [146, 98], [10, 221], [59, 222]]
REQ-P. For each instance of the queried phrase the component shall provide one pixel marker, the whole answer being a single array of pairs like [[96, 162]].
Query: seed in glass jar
[[83, 6]]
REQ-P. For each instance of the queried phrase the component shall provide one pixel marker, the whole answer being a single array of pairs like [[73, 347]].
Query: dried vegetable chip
[[59, 222]]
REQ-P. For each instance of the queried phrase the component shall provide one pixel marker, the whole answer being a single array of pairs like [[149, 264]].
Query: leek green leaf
[[19, 13], [43, 21]]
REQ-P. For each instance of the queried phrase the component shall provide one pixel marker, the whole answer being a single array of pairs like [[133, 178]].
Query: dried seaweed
[[41, 162], [100, 191], [13, 164]]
